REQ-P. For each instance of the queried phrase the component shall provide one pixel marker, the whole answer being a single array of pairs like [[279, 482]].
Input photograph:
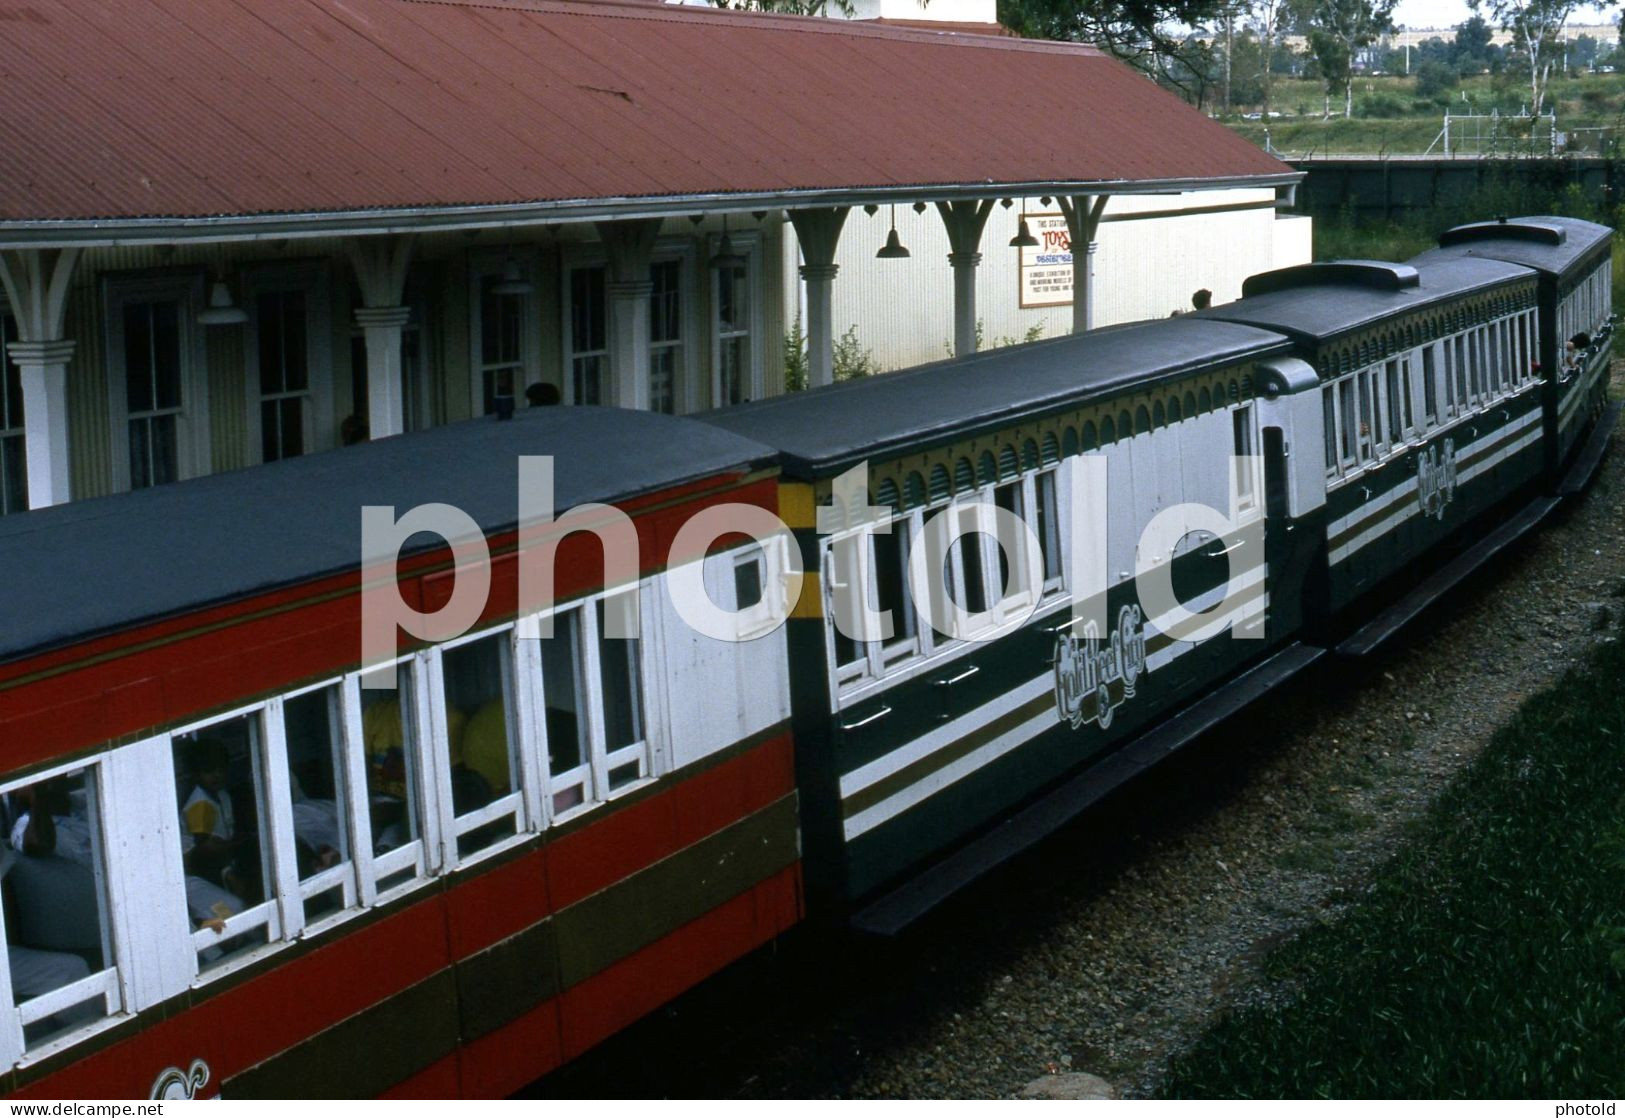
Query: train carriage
[[913, 738], [1573, 264], [1430, 403], [262, 878]]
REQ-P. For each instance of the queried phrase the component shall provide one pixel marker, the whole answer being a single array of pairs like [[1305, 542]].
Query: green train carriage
[[916, 748]]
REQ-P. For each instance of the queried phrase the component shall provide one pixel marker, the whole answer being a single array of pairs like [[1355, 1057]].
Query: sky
[[1448, 13]]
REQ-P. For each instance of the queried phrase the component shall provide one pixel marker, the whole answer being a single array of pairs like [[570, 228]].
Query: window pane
[[1329, 417], [222, 806], [748, 580], [164, 448], [588, 328], [56, 916], [1048, 526], [891, 581], [733, 354], [618, 660], [588, 373], [389, 740], [971, 591], [166, 353], [663, 380], [479, 732], [268, 318], [564, 695], [1430, 387], [1393, 389], [11, 400], [313, 725], [1008, 498], [13, 475], [138, 395], [665, 302]]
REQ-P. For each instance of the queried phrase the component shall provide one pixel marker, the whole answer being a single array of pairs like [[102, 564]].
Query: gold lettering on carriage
[[1436, 478], [1093, 677]]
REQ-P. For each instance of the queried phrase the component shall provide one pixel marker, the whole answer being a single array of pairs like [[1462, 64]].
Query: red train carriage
[[232, 868]]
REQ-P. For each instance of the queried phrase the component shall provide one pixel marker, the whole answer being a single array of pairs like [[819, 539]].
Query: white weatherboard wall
[[1144, 268]]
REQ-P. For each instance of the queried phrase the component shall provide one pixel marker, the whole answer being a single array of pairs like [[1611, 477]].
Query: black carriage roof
[[1551, 245], [89, 567], [826, 430], [1317, 302]]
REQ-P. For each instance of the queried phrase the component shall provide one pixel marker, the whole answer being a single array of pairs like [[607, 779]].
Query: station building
[[235, 231]]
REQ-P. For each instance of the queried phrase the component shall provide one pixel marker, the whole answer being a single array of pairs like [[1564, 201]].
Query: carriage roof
[[101, 565], [1318, 302], [826, 430], [1552, 245]]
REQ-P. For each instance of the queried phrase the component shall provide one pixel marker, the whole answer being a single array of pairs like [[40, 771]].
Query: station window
[[62, 971], [588, 336], [665, 335], [13, 446]]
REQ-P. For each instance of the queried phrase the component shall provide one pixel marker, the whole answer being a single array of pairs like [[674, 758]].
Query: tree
[[1535, 26], [1336, 29], [1471, 50], [1148, 34], [1434, 77], [1268, 20]]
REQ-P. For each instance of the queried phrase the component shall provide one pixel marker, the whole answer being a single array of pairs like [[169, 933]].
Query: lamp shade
[[221, 310], [1025, 238]]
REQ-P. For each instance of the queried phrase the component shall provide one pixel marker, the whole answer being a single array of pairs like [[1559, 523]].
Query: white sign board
[[1046, 270]]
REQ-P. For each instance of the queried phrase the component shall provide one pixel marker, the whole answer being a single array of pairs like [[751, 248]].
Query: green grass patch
[[1487, 958]]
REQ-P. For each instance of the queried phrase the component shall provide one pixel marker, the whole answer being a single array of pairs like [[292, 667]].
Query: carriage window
[[1350, 418], [220, 791], [391, 739], [891, 552], [966, 583], [313, 727], [481, 739], [1368, 415], [564, 692], [1047, 528], [593, 698], [618, 658], [1328, 405], [1395, 390], [62, 966], [748, 578], [1009, 498], [844, 578], [1241, 422], [1463, 363], [1430, 387]]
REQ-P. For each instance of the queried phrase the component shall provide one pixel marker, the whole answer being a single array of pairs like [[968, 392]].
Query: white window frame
[[192, 425], [311, 279], [484, 264], [592, 775], [19, 426], [748, 245], [515, 805], [113, 982], [1244, 478], [420, 855], [685, 393]]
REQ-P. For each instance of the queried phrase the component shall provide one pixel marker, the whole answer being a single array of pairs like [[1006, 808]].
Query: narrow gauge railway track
[[1107, 947]]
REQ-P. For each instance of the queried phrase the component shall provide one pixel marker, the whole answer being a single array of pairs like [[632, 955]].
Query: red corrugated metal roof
[[196, 108]]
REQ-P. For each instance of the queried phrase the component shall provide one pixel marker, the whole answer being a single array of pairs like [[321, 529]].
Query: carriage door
[[1291, 443]]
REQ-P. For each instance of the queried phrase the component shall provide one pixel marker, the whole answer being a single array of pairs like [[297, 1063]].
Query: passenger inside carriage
[[51, 896]]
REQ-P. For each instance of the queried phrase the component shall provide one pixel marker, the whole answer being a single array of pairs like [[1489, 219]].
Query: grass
[[1487, 958], [1390, 116]]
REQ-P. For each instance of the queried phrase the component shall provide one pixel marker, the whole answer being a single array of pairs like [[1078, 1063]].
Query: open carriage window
[[313, 729], [593, 703], [220, 795], [392, 737], [480, 740], [60, 955]]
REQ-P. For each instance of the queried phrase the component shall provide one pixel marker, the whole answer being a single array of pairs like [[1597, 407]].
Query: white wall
[[1144, 268]]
